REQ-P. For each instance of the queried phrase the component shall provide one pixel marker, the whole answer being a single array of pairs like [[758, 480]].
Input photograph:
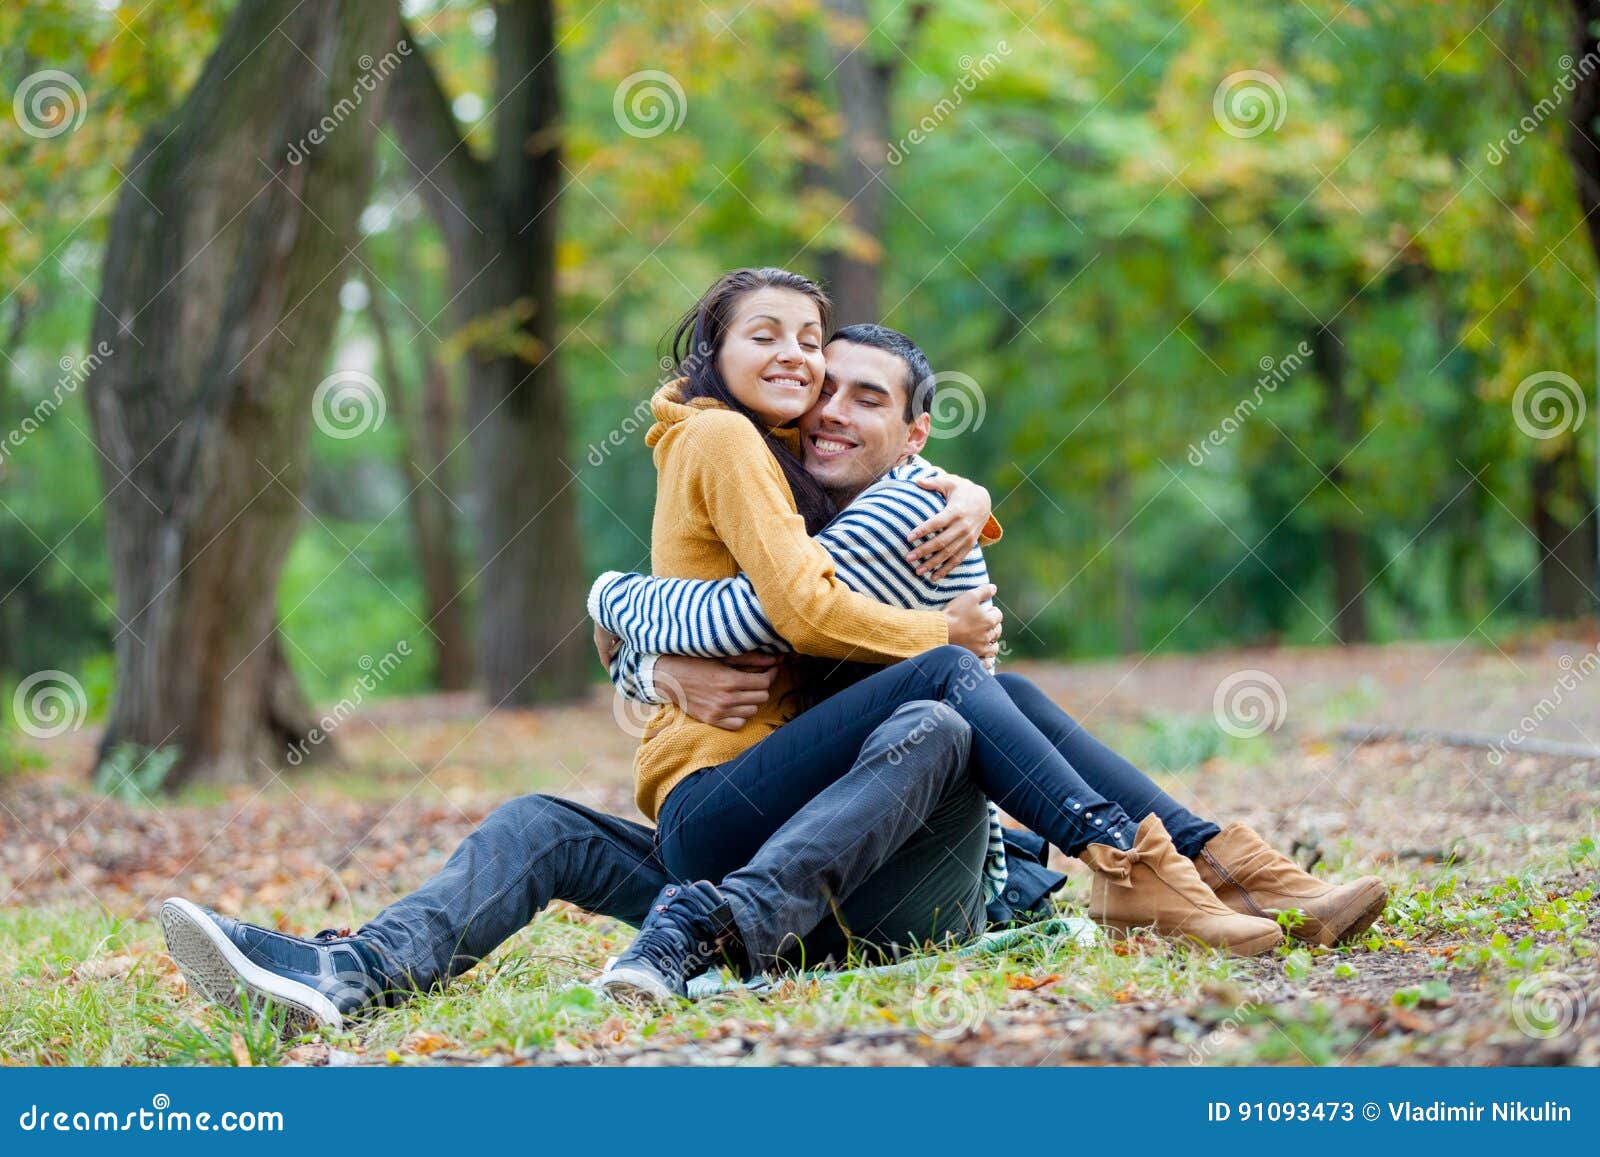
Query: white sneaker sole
[[635, 987], [214, 965]]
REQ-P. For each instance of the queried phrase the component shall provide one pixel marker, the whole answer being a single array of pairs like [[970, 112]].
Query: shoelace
[[668, 942]]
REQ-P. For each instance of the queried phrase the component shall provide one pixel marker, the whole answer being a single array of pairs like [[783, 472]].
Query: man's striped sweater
[[721, 618]]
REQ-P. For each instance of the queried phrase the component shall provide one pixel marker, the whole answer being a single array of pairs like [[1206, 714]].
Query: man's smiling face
[[857, 430]]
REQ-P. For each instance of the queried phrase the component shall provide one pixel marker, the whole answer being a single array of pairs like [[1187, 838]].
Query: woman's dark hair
[[696, 342]]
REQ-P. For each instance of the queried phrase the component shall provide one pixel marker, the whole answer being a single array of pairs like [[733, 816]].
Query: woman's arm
[[730, 472]]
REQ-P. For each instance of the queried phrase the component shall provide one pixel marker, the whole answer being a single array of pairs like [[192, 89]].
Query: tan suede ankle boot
[[1251, 876], [1153, 886]]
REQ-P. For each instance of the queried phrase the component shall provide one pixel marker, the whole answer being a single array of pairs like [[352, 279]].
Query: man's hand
[[606, 643], [723, 694], [973, 625], [955, 529]]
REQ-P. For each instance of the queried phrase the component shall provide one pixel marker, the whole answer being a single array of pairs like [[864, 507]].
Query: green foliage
[[135, 774]]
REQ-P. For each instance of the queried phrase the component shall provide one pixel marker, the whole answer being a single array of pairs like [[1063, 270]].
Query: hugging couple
[[830, 743]]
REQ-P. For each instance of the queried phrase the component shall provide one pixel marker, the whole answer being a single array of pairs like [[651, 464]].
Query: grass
[[85, 988]]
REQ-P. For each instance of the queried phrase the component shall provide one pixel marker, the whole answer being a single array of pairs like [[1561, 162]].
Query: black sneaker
[[689, 928], [323, 979]]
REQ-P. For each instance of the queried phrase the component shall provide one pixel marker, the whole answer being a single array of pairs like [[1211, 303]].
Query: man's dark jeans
[[920, 877]]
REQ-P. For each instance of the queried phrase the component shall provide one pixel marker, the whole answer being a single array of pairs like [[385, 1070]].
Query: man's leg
[[1104, 770], [930, 891], [526, 853], [909, 764]]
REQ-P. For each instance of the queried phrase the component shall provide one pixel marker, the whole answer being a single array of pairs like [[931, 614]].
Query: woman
[[731, 496]]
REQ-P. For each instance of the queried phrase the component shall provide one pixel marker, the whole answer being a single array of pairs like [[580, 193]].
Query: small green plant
[[16, 756], [134, 774], [253, 1034], [1178, 742]]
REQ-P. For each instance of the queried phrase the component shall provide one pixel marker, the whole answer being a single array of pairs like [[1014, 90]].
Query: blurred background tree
[[1263, 315]]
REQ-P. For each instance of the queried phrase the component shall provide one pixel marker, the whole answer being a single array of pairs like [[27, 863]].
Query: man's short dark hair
[[919, 374]]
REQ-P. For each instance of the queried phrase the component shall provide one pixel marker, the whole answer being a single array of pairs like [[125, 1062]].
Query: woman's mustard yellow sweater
[[723, 506]]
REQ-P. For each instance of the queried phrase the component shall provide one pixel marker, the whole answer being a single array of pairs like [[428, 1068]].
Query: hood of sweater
[[668, 408]]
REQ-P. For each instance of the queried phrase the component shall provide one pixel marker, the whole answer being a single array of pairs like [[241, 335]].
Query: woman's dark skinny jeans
[[714, 821]]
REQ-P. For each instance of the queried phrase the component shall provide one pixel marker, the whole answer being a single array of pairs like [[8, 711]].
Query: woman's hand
[[973, 625], [955, 529], [723, 693]]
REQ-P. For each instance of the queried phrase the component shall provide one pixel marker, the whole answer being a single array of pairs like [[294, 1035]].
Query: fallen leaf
[[241, 1054]]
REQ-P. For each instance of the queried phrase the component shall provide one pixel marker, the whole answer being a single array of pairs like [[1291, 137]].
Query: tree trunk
[[499, 222], [853, 270], [1565, 536], [1570, 572], [1345, 543], [425, 467], [217, 308]]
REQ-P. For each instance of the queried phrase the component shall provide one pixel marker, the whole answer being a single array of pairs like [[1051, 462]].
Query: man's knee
[[933, 726]]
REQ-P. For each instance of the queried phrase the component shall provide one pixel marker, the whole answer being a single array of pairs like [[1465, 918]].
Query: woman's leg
[[1105, 770], [716, 820]]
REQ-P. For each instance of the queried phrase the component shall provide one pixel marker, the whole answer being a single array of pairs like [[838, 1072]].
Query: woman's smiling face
[[771, 356]]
